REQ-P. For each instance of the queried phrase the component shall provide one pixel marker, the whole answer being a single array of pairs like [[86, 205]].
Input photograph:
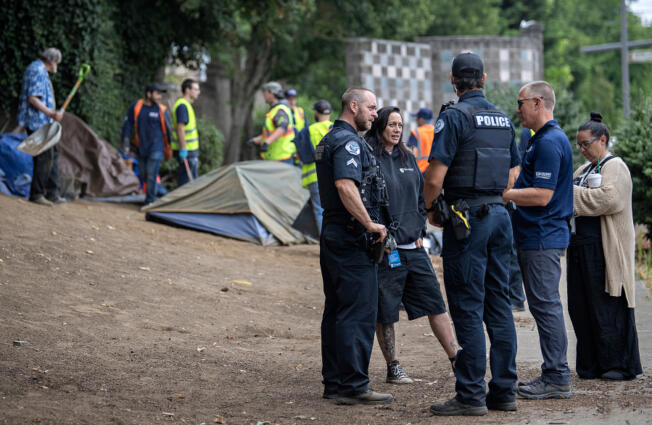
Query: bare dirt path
[[123, 321]]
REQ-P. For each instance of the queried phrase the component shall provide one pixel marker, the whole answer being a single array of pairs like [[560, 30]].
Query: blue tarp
[[18, 167], [238, 226]]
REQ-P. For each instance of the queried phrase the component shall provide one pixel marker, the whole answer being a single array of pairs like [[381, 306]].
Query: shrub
[[633, 146]]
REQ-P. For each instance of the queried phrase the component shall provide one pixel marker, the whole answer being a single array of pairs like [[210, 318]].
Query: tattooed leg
[[443, 330], [386, 341]]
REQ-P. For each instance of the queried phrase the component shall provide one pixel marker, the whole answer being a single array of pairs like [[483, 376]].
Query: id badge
[[394, 259]]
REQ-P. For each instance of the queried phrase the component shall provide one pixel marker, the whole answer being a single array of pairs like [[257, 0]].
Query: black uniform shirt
[[449, 131], [343, 155], [405, 189]]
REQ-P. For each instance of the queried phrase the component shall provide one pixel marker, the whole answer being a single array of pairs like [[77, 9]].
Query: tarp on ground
[[87, 163], [92, 161], [246, 200]]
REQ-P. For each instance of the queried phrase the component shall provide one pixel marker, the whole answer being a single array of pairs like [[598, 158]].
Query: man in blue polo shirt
[[544, 196]]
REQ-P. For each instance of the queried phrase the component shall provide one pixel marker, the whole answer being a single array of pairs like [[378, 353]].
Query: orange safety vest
[[167, 150], [424, 135]]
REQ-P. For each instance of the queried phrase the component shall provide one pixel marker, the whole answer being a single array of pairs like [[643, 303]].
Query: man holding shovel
[[36, 107]]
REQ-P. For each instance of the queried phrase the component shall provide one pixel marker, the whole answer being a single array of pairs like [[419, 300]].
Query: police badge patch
[[439, 125], [353, 148]]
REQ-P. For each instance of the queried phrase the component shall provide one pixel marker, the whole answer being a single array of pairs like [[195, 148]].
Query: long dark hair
[[595, 126], [375, 134]]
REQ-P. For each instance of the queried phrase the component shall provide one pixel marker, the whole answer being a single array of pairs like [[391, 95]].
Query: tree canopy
[[301, 42]]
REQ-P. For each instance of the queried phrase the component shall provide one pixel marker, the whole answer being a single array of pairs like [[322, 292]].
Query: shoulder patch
[[439, 125], [353, 148]]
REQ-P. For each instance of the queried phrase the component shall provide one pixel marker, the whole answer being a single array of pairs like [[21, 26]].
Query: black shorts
[[414, 282]]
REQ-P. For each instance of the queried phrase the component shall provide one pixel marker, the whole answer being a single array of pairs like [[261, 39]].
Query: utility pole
[[624, 47]]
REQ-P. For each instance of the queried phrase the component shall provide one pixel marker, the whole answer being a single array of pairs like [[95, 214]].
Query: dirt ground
[[108, 319]]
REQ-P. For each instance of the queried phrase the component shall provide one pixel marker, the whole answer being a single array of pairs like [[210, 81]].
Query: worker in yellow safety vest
[[298, 117], [420, 141], [185, 137], [278, 131], [306, 152]]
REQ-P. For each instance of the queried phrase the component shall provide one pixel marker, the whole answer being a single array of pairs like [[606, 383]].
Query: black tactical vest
[[483, 156]]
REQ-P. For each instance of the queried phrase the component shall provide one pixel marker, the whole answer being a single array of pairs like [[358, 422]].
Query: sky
[[643, 8]]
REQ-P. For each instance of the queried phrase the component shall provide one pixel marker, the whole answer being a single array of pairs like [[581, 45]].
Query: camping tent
[[256, 201]]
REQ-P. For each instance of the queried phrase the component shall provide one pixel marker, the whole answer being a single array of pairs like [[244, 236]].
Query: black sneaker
[[369, 397], [455, 408], [532, 382], [505, 406], [542, 390], [396, 374]]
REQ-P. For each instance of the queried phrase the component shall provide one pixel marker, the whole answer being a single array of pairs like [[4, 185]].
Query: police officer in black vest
[[350, 191], [474, 158]]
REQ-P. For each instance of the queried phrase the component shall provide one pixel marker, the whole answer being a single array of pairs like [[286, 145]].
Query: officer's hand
[[432, 220], [419, 243], [183, 154], [377, 228]]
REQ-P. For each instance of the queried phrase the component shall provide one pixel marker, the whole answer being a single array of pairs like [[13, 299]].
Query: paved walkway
[[528, 339]]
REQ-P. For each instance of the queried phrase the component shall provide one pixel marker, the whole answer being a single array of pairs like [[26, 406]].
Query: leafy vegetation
[[302, 42], [633, 145]]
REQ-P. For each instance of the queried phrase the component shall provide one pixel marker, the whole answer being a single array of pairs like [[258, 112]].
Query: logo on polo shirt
[[543, 175], [403, 170]]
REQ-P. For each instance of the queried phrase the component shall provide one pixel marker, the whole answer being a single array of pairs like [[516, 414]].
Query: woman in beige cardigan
[[600, 261]]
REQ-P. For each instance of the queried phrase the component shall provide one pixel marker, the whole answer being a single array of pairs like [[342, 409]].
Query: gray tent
[[257, 201]]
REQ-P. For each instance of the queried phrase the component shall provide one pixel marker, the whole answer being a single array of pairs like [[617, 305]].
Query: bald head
[[542, 90]]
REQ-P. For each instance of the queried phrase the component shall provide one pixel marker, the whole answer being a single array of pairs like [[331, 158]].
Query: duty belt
[[482, 200]]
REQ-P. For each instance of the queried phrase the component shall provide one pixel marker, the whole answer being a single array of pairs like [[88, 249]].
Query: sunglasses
[[521, 101], [585, 143]]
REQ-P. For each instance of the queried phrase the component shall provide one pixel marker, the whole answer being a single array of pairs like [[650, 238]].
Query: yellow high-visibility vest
[[317, 131], [282, 148], [192, 135], [299, 118]]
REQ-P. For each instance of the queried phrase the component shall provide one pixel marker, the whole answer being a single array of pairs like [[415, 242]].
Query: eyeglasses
[[585, 144], [520, 101]]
